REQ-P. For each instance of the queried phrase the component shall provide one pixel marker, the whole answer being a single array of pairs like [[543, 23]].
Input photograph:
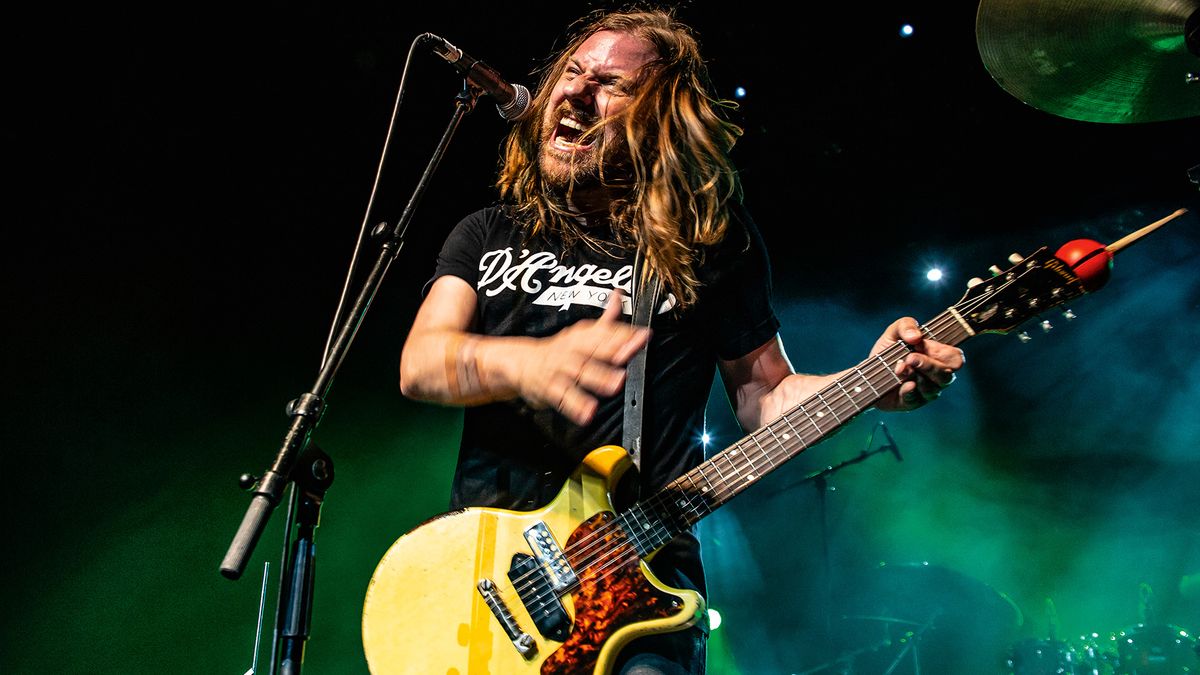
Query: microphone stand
[[294, 607]]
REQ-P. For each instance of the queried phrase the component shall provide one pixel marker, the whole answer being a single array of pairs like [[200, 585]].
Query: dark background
[[185, 186]]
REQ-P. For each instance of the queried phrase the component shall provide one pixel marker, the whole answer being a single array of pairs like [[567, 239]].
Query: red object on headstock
[[1090, 260]]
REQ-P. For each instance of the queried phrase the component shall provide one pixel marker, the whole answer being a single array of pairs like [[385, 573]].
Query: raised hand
[[569, 370]]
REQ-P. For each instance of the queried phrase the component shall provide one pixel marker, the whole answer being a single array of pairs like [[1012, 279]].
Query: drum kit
[[923, 619], [1142, 649]]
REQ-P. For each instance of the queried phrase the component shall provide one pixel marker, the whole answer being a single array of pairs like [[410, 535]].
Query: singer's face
[[596, 85]]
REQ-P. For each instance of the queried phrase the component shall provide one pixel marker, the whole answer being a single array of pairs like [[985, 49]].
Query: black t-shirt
[[516, 458]]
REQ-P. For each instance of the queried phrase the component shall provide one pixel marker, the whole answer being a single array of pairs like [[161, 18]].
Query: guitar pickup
[[550, 557], [531, 580]]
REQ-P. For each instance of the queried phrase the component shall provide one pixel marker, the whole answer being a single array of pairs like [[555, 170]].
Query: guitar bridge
[[521, 640]]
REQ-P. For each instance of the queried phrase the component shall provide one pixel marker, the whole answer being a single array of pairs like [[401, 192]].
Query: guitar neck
[[685, 501]]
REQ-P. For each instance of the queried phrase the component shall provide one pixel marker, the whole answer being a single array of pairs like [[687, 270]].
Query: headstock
[[1042, 281], [1013, 296]]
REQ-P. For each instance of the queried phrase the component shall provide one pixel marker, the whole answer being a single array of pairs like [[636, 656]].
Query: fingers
[[612, 311], [608, 339], [925, 375], [604, 380], [908, 330], [584, 362]]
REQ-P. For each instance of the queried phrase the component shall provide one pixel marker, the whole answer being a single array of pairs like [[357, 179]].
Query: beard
[[606, 163]]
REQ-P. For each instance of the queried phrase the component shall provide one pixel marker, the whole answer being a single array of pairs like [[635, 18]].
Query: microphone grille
[[518, 106]]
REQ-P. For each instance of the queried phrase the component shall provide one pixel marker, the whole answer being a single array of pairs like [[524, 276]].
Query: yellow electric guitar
[[564, 588]]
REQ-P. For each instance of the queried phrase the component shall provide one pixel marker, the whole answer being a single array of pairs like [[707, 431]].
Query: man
[[619, 174]]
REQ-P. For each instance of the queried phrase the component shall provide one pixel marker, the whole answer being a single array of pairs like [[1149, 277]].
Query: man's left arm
[[762, 384]]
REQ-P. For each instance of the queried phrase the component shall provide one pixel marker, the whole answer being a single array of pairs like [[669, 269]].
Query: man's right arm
[[443, 362]]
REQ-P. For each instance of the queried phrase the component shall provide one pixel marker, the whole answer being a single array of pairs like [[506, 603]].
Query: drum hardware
[[934, 620]]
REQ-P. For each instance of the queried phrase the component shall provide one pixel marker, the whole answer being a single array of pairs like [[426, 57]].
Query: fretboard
[[657, 519]]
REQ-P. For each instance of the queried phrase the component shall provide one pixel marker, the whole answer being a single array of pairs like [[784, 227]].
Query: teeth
[[564, 144], [570, 123]]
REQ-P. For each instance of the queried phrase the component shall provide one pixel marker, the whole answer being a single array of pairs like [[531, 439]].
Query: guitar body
[[424, 612]]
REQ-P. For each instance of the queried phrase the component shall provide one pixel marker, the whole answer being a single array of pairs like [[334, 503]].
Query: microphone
[[891, 442], [512, 100]]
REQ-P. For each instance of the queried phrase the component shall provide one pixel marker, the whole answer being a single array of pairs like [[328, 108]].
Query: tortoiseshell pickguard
[[607, 600]]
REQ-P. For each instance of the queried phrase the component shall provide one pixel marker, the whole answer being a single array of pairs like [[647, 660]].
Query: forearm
[[460, 368], [784, 396]]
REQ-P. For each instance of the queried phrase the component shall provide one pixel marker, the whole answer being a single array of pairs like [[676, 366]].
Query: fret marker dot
[[750, 477], [786, 436], [645, 526], [733, 452], [820, 413], [858, 390]]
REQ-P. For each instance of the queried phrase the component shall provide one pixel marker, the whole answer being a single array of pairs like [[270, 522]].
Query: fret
[[845, 393], [693, 494], [888, 369], [754, 472], [778, 442], [829, 407], [629, 523], [820, 431], [657, 530], [707, 488], [787, 420], [681, 503], [729, 455], [868, 381], [713, 463], [663, 513]]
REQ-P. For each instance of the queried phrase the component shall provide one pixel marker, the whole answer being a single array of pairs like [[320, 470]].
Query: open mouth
[[567, 135]]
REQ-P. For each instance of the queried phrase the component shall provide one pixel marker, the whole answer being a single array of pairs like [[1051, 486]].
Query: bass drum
[[1044, 657], [1156, 650]]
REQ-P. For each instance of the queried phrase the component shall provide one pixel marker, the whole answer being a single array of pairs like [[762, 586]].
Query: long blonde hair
[[678, 145]]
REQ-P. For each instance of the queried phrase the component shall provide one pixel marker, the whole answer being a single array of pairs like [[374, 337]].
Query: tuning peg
[[995, 270], [973, 282], [1015, 258], [1046, 326], [1068, 314], [1024, 337]]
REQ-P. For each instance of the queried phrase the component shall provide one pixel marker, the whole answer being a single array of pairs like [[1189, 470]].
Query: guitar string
[[946, 319], [583, 549], [611, 557], [580, 554], [617, 556]]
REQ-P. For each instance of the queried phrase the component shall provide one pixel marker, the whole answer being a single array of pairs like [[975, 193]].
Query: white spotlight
[[714, 619], [934, 274]]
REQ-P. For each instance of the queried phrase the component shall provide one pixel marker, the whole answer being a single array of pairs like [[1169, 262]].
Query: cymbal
[[1111, 61]]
